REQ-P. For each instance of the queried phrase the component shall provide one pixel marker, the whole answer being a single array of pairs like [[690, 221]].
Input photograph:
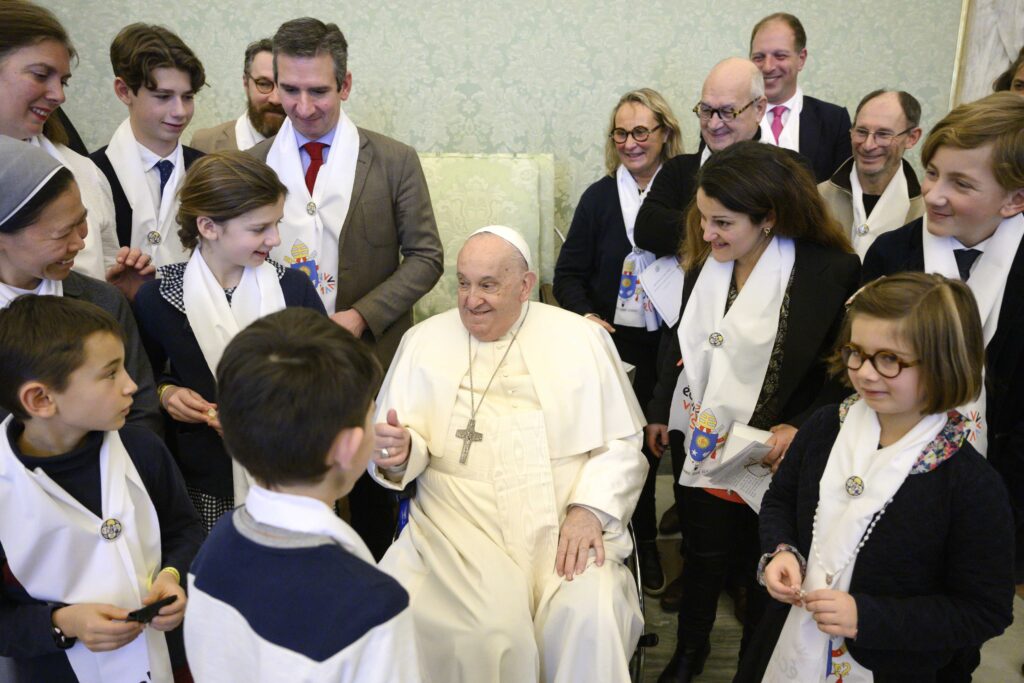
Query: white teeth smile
[[39, 112]]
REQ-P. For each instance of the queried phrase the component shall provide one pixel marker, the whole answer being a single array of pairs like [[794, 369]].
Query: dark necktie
[[166, 168], [315, 150], [965, 258]]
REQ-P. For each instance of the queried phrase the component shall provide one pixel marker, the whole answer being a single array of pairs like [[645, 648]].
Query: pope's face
[[493, 284]]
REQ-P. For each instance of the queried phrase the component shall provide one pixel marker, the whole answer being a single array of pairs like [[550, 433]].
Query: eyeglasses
[[263, 85], [886, 363], [704, 112], [640, 134], [883, 138]]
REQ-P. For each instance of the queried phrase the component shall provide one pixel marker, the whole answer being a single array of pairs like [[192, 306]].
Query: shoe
[[669, 524], [651, 575], [686, 664], [672, 598]]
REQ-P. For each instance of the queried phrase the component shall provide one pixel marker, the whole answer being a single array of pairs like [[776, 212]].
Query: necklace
[[469, 435], [831, 575]]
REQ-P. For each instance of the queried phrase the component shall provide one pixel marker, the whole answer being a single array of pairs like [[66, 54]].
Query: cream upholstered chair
[[469, 191]]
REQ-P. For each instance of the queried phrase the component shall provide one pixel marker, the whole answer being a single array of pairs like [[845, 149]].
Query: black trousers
[[721, 537]]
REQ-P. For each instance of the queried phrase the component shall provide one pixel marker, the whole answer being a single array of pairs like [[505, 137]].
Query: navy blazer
[[902, 250], [177, 359], [916, 611], [122, 208], [824, 136], [823, 279]]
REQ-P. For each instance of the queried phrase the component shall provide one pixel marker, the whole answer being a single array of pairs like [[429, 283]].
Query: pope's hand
[[580, 532], [391, 435]]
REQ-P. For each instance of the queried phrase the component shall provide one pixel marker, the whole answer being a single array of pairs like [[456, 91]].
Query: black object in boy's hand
[[146, 614]]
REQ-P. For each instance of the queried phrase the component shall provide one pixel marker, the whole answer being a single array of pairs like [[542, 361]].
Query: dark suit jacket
[[823, 279], [824, 136], [177, 358], [216, 138], [662, 216], [122, 209], [902, 250], [390, 254]]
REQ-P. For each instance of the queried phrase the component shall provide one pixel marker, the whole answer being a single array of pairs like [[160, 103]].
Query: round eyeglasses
[[640, 134], [886, 363], [263, 85], [704, 112]]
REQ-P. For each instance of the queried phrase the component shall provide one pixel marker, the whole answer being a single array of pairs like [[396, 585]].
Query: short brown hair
[[996, 120], [799, 35], [309, 37], [287, 385], [23, 24], [908, 103], [221, 186], [760, 181], [653, 100], [42, 339], [253, 49], [939, 319], [139, 49]]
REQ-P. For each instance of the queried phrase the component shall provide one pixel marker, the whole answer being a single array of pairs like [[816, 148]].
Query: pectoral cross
[[469, 436]]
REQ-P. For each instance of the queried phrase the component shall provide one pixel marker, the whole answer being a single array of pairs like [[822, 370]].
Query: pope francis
[[519, 426]]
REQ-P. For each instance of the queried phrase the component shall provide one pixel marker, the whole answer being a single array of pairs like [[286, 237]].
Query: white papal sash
[[215, 323], [725, 355], [633, 308], [844, 514], [155, 233], [889, 213], [61, 552], [312, 224], [988, 284]]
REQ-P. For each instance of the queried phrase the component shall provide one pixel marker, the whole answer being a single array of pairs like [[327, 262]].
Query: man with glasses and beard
[[264, 114]]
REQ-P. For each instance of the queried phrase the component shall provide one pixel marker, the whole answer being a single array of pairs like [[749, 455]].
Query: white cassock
[[560, 427]]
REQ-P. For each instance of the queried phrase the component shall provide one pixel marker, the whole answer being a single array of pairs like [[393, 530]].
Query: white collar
[[794, 103], [327, 138], [151, 158]]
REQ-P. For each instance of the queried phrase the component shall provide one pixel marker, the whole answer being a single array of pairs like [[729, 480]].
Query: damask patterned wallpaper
[[526, 76]]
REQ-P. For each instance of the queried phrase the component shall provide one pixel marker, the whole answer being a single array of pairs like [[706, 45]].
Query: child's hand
[[782, 578], [185, 405], [99, 627], [130, 271], [835, 612], [170, 615]]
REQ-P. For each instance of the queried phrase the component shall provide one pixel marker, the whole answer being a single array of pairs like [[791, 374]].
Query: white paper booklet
[[663, 282], [741, 470]]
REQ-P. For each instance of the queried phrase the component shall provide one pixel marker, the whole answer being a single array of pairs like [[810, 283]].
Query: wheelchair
[[637, 662]]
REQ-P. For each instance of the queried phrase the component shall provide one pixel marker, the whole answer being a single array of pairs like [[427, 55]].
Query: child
[[94, 517], [157, 77], [230, 206], [284, 589], [886, 533], [42, 232], [974, 231]]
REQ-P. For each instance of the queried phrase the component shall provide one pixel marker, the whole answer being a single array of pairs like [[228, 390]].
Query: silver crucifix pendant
[[469, 436]]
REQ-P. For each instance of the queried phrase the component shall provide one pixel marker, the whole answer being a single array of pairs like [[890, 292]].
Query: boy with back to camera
[[95, 521], [287, 584]]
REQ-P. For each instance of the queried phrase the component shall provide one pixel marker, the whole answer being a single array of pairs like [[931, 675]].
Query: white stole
[[988, 284], [215, 323], [246, 136], [147, 223], [303, 515], [55, 549], [789, 138], [101, 246], [311, 226], [802, 651], [889, 213], [725, 355], [44, 288], [633, 307]]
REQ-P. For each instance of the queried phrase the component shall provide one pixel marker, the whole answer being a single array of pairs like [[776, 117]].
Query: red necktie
[[315, 150], [777, 113]]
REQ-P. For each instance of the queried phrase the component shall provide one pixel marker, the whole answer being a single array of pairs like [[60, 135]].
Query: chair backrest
[[469, 191]]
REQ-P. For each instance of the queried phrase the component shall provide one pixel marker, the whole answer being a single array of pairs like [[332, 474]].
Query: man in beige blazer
[[875, 190], [357, 218], [263, 116]]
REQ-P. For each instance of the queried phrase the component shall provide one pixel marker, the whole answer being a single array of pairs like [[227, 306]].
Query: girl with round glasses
[[597, 274], [887, 537]]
